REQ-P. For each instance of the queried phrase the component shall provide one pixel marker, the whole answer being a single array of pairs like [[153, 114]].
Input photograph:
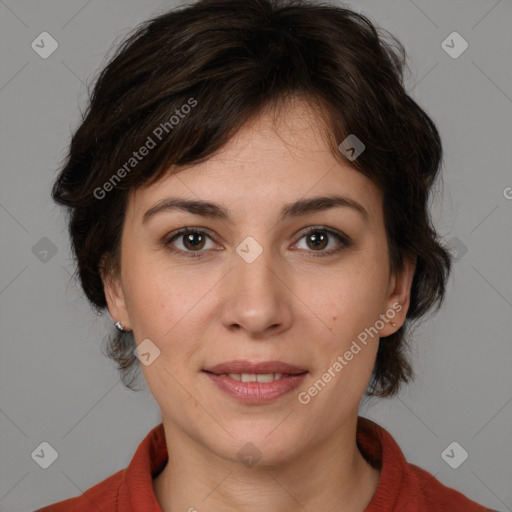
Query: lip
[[243, 366], [256, 392]]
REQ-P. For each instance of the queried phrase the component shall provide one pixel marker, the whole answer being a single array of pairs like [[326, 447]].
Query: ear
[[398, 297], [114, 295]]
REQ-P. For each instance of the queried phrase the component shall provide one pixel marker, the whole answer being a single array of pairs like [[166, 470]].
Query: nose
[[257, 297]]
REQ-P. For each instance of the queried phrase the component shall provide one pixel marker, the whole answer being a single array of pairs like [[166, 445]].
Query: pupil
[[190, 240], [318, 240]]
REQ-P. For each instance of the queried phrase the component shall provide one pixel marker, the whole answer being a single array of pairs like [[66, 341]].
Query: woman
[[248, 196]]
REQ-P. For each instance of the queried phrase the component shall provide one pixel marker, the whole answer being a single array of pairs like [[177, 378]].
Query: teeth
[[265, 377], [255, 377]]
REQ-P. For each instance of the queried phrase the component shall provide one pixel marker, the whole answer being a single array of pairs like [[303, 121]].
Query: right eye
[[192, 240]]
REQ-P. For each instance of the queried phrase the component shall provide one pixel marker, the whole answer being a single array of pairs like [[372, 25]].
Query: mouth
[[254, 377], [242, 367], [255, 383]]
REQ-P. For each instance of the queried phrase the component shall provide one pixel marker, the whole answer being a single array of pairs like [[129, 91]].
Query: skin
[[283, 306]]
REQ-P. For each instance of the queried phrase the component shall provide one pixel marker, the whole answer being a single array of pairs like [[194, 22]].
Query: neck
[[331, 476]]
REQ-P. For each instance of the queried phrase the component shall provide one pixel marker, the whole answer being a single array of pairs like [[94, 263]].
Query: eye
[[192, 240], [318, 238]]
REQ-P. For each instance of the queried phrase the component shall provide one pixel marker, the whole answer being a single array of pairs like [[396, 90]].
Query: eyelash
[[344, 239]]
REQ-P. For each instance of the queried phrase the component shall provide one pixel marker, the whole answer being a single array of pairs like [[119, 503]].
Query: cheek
[[164, 305], [349, 306], [350, 300], [151, 298]]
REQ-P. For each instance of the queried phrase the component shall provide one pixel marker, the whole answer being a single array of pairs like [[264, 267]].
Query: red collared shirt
[[403, 487]]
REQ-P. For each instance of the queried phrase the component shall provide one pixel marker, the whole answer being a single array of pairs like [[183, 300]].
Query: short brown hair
[[233, 59]]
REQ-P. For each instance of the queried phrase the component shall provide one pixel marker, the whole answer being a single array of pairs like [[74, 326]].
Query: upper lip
[[242, 366]]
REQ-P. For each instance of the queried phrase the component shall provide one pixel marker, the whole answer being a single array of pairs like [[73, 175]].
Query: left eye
[[319, 238]]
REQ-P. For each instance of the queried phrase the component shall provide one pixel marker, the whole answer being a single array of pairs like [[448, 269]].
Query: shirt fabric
[[403, 487]]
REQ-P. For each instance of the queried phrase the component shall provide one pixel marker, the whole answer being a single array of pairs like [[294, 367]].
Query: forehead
[[276, 158]]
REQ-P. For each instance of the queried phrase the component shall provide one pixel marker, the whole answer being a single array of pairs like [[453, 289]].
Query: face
[[304, 285]]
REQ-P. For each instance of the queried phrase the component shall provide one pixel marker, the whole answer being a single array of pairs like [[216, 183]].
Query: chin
[[257, 447]]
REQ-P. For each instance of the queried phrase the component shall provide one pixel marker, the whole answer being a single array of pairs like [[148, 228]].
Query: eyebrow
[[292, 210]]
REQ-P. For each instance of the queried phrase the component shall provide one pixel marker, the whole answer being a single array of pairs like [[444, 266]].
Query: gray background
[[56, 386]]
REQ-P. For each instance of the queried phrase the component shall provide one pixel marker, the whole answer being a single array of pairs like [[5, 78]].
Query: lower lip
[[256, 392]]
